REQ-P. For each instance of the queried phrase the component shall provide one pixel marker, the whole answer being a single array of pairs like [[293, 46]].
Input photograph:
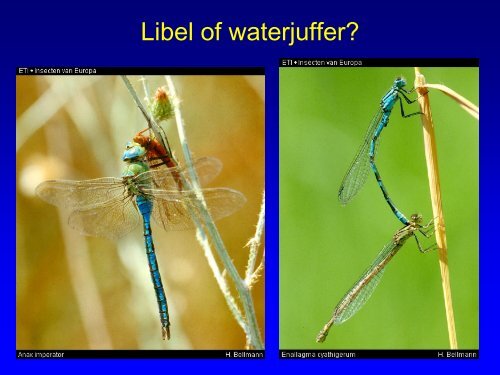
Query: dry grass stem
[[209, 228], [435, 191], [467, 105], [254, 244]]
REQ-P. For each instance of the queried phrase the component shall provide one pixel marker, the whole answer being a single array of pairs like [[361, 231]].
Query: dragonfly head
[[399, 82], [416, 218], [133, 151]]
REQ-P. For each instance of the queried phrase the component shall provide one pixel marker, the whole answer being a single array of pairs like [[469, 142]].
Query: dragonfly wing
[[358, 302], [222, 202], [172, 214], [207, 168], [355, 177], [362, 290], [112, 219], [175, 210], [76, 194]]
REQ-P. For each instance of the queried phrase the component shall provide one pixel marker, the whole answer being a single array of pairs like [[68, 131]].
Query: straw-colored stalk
[[435, 190]]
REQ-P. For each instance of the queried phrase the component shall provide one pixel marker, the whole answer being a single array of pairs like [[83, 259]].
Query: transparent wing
[[175, 210], [355, 177], [112, 219], [362, 290], [77, 194], [207, 168]]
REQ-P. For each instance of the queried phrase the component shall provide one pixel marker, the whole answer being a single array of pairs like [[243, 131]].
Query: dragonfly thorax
[[134, 168], [134, 157], [135, 185]]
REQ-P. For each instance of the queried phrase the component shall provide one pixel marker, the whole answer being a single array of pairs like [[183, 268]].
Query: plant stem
[[252, 330], [254, 244], [466, 104], [221, 280], [155, 128], [82, 279], [435, 190]]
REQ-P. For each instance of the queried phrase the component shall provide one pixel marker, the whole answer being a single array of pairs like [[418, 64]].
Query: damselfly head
[[416, 218], [400, 82]]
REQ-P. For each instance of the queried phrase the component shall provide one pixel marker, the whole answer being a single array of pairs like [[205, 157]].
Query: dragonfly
[[358, 170], [361, 291], [111, 207], [159, 155], [156, 154], [158, 151]]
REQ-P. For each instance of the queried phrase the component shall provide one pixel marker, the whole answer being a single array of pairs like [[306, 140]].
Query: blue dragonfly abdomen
[[133, 156], [145, 207]]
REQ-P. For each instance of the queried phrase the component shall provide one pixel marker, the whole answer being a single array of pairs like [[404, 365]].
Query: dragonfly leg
[[402, 109], [159, 164], [428, 230], [403, 93], [421, 249]]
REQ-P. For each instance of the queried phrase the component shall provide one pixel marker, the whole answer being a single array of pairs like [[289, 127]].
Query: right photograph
[[379, 207]]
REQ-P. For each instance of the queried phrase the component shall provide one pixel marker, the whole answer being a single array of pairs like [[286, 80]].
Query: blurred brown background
[[76, 292]]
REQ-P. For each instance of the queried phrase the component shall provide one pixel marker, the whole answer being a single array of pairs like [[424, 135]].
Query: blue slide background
[[83, 34]]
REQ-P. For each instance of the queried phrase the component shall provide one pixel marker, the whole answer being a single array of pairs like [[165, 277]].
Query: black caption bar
[[140, 354], [75, 70], [379, 354], [293, 62]]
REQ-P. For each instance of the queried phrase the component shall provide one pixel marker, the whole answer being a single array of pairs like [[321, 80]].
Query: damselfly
[[356, 175], [362, 290]]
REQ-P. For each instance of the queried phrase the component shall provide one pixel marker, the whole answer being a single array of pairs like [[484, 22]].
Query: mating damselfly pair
[[325, 248], [354, 179]]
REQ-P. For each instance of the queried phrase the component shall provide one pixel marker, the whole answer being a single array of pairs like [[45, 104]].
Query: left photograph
[[140, 210]]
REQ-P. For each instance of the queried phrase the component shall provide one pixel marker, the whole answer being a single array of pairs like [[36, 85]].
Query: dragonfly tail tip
[[165, 331], [321, 337]]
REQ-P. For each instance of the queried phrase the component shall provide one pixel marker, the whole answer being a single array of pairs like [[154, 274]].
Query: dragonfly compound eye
[[400, 82], [133, 151], [416, 218]]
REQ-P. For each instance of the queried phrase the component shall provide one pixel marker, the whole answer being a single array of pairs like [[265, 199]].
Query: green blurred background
[[76, 292], [324, 247]]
